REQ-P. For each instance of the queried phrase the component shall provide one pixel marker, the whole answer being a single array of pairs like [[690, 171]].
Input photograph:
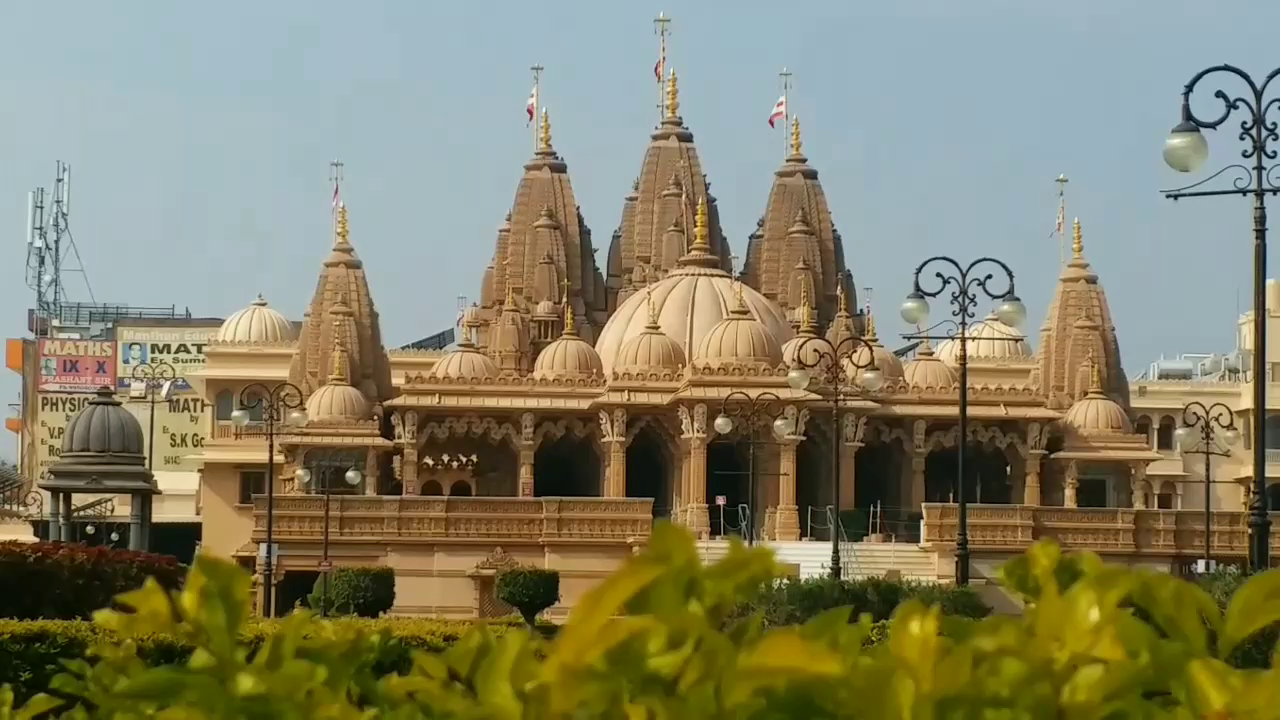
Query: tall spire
[[1061, 227], [661, 27], [673, 96]]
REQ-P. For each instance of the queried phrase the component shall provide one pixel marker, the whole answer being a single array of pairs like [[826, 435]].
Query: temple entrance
[[986, 476], [813, 486], [875, 466], [649, 470], [727, 477], [487, 468], [566, 467]]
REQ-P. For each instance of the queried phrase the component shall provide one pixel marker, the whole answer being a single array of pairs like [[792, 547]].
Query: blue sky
[[200, 136]]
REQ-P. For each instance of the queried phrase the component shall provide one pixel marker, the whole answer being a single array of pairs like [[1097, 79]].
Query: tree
[[529, 590]]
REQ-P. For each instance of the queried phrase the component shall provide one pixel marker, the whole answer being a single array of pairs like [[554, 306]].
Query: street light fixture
[[281, 404], [306, 477], [1201, 426], [838, 367], [966, 283], [157, 380], [749, 410], [1185, 150]]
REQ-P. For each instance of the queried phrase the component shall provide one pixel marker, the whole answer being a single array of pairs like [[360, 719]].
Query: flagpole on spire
[[786, 111], [1061, 227], [661, 26], [535, 98], [335, 177]]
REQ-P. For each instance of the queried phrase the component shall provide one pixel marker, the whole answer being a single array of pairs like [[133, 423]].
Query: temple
[[579, 405]]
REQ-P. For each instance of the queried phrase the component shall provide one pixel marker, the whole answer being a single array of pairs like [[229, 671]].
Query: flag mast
[[335, 177], [661, 26], [1062, 219], [536, 69], [786, 112]]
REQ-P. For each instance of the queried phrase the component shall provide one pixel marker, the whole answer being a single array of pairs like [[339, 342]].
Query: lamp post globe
[[1231, 436], [353, 477], [915, 309], [1184, 437], [798, 378], [240, 417], [1011, 311], [297, 418], [1185, 150], [872, 379], [782, 427], [302, 475], [723, 424]]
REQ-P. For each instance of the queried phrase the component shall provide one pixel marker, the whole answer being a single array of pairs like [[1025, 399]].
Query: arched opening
[[649, 470], [1164, 434], [224, 403], [994, 487], [432, 487], [874, 467], [1091, 491], [566, 467], [490, 465], [1143, 428], [814, 491], [727, 480], [460, 488], [986, 474], [1166, 499], [1273, 497]]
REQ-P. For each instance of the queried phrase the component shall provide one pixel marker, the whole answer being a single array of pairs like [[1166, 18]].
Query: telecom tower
[[51, 251]]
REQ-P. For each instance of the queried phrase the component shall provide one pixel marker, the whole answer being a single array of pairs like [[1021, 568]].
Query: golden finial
[[544, 133], [701, 228], [339, 355], [673, 95], [344, 231], [653, 309], [740, 302], [1095, 374], [807, 323], [1077, 240], [466, 335], [842, 302], [796, 145], [568, 311], [871, 324]]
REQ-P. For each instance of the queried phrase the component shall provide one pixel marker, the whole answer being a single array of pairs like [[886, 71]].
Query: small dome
[[337, 400], [739, 338], [256, 324], [103, 427], [465, 362], [988, 341], [568, 356], [545, 308], [1095, 413], [807, 349], [651, 349], [885, 361], [926, 371]]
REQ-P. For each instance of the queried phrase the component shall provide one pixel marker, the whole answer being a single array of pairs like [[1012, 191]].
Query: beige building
[[579, 406]]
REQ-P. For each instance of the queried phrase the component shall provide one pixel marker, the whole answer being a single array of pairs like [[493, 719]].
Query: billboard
[[182, 424], [75, 366], [182, 348], [53, 411]]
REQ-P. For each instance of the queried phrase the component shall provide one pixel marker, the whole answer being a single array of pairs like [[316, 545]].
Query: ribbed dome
[[1095, 413], [989, 341], [103, 427], [740, 338], [807, 349], [337, 400], [885, 361], [926, 371], [465, 362], [688, 303], [256, 324], [569, 356]]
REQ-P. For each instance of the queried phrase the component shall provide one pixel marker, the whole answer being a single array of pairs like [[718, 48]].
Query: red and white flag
[[531, 107], [658, 67], [779, 111], [1060, 228], [335, 196]]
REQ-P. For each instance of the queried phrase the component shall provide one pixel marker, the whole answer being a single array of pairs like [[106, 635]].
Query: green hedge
[[32, 651], [793, 601], [63, 581], [367, 591]]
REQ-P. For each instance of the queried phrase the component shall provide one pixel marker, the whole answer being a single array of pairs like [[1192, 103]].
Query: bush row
[[63, 581], [793, 601]]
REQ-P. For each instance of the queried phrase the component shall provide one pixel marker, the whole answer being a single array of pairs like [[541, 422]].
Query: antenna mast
[[51, 250]]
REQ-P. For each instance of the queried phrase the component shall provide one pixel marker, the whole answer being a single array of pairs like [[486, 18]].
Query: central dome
[[688, 303]]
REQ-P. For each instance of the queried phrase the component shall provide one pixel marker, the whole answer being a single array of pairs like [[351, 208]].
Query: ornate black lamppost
[[1200, 427], [279, 405], [749, 410], [838, 368], [156, 378], [966, 283], [1185, 151], [326, 469]]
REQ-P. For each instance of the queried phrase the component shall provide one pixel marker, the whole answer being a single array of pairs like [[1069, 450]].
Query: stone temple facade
[[579, 404]]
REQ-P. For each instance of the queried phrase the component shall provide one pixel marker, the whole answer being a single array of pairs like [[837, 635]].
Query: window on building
[[1091, 492], [1166, 499], [223, 404], [1143, 427], [252, 482], [1164, 434]]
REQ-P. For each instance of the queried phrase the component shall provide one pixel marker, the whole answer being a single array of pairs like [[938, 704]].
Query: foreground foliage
[[66, 581], [647, 643]]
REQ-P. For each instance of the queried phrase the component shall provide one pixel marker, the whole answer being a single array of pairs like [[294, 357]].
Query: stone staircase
[[858, 559]]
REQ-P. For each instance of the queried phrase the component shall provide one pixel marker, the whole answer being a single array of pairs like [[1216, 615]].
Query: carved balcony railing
[[1163, 533], [480, 519], [227, 430]]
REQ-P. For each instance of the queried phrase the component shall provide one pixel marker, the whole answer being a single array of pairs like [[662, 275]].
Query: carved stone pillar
[[409, 471], [1137, 481], [917, 481], [613, 435], [1070, 483], [1031, 486], [371, 466], [787, 526], [852, 437], [408, 432], [528, 446], [693, 425]]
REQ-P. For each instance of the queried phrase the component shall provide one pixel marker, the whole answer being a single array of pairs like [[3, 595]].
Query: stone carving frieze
[[693, 424], [854, 429], [613, 428], [464, 426], [556, 429]]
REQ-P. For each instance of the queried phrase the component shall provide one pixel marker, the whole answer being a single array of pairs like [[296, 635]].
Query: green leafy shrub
[[648, 643], [1222, 585], [66, 581], [793, 601], [367, 591], [529, 590]]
